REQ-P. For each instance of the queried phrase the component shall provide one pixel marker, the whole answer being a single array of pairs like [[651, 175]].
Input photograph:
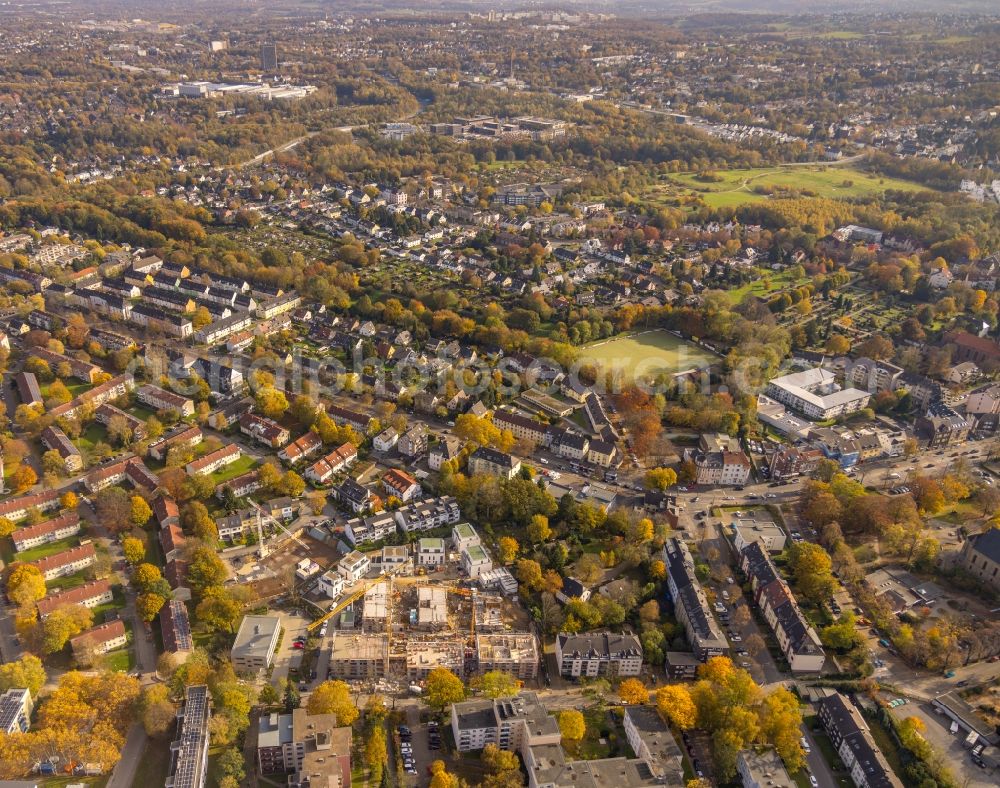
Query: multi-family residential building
[[331, 583], [356, 655], [176, 628], [81, 370], [54, 439], [401, 485], [982, 408], [310, 748], [256, 640], [650, 739], [431, 552], [213, 461], [18, 508], [99, 640], [598, 654], [236, 525], [428, 514], [515, 653], [301, 448], [372, 528], [241, 486], [756, 526], [97, 396], [354, 566], [28, 389], [413, 442], [342, 416], [941, 425], [172, 541], [229, 414], [61, 527], [68, 562], [521, 427], [873, 376], [474, 560], [161, 399], [816, 394], [107, 413], [16, 706], [762, 769], [691, 606], [719, 460], [510, 723], [443, 451], [795, 635], [485, 460], [356, 496], [183, 436], [603, 453], [853, 742], [90, 594], [385, 440], [189, 753], [341, 458], [264, 430]]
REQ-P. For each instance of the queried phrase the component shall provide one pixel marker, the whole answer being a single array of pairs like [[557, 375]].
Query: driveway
[[286, 657]]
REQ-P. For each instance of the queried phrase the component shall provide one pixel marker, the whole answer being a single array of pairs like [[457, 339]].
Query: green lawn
[[70, 581], [117, 603], [771, 282], [121, 661], [153, 766], [736, 187], [647, 353], [51, 548], [231, 471], [91, 435]]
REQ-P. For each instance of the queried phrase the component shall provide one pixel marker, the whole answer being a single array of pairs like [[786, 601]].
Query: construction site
[[402, 628]]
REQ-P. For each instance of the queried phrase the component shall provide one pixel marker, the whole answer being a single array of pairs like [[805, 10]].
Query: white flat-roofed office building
[[255, 643], [815, 393]]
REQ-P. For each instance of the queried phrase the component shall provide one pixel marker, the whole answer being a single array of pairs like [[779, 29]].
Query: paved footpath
[[123, 774]]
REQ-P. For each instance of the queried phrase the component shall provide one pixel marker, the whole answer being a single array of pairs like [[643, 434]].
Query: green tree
[[812, 569], [333, 697], [139, 511], [660, 478], [133, 549], [443, 688], [25, 584], [27, 672], [205, 569], [148, 606], [376, 753], [538, 529], [496, 684], [572, 726]]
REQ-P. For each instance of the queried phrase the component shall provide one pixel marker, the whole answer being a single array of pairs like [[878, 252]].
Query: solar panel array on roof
[[191, 747]]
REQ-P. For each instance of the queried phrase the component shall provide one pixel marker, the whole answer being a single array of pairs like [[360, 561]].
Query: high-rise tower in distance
[[268, 57]]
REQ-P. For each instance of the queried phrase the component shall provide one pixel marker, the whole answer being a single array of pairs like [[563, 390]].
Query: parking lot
[[421, 742], [950, 745]]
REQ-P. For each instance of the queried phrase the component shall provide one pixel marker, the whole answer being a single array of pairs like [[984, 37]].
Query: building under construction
[[356, 656], [407, 631]]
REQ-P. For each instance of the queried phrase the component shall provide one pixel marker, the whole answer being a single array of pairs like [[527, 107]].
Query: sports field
[[647, 353], [730, 188]]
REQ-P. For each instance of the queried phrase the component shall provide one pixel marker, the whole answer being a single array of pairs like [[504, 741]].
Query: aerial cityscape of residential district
[[457, 393]]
